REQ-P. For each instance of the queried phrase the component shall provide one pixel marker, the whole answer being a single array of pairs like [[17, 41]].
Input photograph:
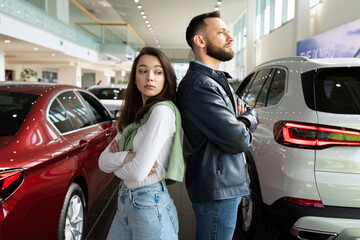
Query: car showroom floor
[[101, 215]]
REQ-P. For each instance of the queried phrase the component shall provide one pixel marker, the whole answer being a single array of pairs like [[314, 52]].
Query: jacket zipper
[[217, 163]]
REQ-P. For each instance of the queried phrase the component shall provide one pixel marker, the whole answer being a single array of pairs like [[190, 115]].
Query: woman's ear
[[199, 41]]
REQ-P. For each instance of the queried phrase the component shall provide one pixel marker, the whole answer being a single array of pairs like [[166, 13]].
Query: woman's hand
[[130, 156], [114, 147]]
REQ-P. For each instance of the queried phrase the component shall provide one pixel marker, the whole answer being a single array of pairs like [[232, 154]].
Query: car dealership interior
[[92, 43]]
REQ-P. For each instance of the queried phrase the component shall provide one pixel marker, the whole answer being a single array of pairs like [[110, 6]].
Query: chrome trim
[[297, 233]]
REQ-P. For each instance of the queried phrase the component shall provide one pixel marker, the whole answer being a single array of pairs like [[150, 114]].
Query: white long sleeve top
[[152, 143]]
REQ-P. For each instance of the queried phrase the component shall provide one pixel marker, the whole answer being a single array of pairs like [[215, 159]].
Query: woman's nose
[[150, 76]]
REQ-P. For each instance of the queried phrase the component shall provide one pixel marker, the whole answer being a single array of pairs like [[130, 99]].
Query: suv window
[[100, 113], [257, 83], [336, 90], [277, 88], [13, 109]]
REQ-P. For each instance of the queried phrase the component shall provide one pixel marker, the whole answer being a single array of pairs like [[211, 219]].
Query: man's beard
[[218, 53]]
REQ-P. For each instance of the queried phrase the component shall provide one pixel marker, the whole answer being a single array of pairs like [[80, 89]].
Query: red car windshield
[[14, 107]]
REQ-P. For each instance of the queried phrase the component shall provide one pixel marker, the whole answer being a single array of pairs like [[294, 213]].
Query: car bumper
[[326, 228], [308, 222]]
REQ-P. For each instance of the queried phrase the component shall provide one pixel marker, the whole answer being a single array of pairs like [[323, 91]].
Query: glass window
[[337, 90], [261, 101], [74, 109], [108, 93], [100, 113], [277, 88], [14, 107], [59, 118], [256, 87], [271, 14]]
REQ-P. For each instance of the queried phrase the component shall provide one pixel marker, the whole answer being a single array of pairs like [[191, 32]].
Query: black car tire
[[73, 215], [251, 223]]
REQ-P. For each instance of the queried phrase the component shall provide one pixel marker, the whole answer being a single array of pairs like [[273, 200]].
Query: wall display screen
[[343, 41]]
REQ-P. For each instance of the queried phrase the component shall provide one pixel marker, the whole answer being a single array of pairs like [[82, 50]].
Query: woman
[[146, 151]]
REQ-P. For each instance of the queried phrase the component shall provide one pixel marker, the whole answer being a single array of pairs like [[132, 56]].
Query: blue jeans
[[216, 220], [145, 213]]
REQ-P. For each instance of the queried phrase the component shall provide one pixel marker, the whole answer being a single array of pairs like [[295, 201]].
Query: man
[[217, 127]]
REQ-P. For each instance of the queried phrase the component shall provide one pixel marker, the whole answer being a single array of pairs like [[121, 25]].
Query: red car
[[51, 137]]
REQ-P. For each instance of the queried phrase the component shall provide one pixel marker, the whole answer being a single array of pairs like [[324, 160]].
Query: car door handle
[[83, 144], [108, 133]]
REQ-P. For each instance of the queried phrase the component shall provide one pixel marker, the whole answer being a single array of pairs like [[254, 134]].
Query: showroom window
[[271, 14], [240, 47]]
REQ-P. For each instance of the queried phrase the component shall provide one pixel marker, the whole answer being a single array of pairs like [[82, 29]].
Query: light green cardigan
[[175, 172]]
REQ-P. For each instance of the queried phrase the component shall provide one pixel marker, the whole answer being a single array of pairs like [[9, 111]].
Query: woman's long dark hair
[[134, 109]]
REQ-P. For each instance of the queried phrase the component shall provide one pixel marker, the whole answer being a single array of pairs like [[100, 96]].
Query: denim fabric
[[145, 213], [216, 220]]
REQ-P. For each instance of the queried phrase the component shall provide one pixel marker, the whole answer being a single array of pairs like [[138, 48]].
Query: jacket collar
[[203, 69]]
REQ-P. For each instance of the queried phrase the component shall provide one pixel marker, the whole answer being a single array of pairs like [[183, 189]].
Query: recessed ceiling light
[[7, 41], [146, 21], [35, 48], [142, 13], [53, 54], [136, 1], [139, 6], [144, 16]]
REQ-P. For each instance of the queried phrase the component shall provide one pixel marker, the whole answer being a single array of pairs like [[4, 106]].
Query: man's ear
[[199, 41]]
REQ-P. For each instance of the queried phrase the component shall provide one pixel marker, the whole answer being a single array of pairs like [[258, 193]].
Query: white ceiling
[[168, 18]]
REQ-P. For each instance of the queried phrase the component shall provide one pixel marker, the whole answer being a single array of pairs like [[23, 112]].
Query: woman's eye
[[142, 71], [158, 72]]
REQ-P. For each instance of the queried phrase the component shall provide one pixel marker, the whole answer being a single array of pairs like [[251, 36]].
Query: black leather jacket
[[214, 138]]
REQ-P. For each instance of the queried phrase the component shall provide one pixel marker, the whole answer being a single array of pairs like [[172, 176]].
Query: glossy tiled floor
[[101, 215]]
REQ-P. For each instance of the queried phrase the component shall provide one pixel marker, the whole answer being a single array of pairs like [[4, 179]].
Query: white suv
[[304, 162]]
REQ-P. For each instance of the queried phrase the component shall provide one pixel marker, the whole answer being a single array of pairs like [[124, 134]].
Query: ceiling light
[[144, 16], [35, 48], [219, 2], [142, 13], [216, 8], [53, 54], [148, 25], [7, 41], [136, 1], [139, 6], [146, 21]]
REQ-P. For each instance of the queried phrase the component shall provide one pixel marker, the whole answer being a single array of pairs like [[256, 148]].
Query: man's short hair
[[197, 24]]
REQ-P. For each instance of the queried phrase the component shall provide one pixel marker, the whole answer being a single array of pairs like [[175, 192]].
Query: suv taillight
[[10, 180], [313, 136]]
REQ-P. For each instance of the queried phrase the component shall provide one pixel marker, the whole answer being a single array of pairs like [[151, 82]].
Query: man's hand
[[241, 108]]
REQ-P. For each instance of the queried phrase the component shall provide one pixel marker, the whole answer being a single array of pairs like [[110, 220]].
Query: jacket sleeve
[[207, 110]]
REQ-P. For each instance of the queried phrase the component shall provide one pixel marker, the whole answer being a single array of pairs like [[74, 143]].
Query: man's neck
[[209, 61]]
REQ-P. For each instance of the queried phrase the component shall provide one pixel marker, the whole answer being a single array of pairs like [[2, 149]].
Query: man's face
[[218, 40]]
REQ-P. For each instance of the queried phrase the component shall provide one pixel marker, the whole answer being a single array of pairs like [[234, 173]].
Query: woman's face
[[149, 77]]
